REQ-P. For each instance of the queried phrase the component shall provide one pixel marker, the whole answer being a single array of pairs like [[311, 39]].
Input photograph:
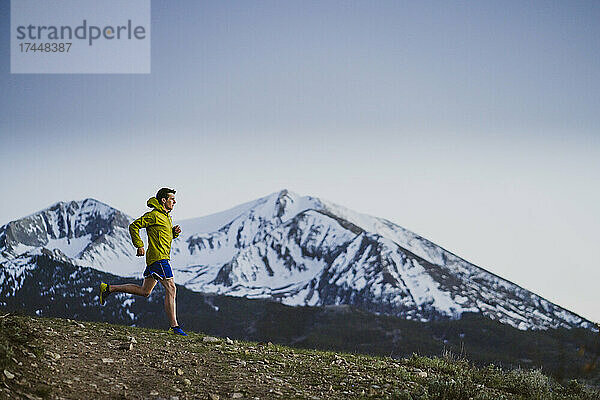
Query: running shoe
[[103, 292], [176, 330]]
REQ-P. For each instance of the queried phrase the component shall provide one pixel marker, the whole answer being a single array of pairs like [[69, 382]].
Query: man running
[[161, 232]]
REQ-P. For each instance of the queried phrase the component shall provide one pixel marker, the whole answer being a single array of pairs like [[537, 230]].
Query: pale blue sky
[[474, 124]]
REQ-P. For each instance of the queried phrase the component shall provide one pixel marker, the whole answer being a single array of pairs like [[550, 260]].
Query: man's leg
[[131, 288], [170, 293]]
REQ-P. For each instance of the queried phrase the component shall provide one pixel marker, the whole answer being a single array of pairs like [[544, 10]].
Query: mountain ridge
[[298, 250]]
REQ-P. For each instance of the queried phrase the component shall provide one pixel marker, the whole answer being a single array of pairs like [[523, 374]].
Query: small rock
[[174, 398], [132, 339], [210, 339], [187, 382], [109, 361], [126, 346], [154, 393], [68, 382], [213, 396], [81, 325], [175, 388], [179, 371], [237, 395], [8, 374], [422, 374], [28, 353], [228, 341]]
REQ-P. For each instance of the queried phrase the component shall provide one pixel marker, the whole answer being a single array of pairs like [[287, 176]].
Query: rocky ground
[[44, 358]]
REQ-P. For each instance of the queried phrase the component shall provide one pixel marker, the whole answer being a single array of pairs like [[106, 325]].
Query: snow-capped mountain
[[298, 250], [85, 233]]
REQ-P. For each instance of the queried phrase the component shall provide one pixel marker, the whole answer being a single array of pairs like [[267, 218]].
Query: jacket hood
[[153, 203]]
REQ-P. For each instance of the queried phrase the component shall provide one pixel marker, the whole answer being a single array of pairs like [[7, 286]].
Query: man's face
[[169, 202]]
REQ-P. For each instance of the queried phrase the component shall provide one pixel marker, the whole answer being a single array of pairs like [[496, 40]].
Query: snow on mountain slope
[[306, 251], [87, 232], [298, 250]]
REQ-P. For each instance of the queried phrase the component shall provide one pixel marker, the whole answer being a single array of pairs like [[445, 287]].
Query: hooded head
[[164, 200]]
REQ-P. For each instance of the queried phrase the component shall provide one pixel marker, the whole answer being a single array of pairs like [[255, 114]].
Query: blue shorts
[[159, 270]]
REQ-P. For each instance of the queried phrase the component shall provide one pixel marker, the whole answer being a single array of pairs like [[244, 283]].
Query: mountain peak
[[69, 226], [298, 250], [86, 205]]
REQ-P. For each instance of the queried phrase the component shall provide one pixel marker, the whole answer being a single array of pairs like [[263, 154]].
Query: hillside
[[52, 288], [61, 358]]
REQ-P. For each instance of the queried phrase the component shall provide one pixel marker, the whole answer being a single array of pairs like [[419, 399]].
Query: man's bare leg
[[170, 293], [131, 288]]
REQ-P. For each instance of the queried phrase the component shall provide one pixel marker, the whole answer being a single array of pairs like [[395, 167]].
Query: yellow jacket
[[159, 227]]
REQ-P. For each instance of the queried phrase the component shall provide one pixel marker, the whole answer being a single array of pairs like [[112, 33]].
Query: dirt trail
[[74, 360], [51, 358]]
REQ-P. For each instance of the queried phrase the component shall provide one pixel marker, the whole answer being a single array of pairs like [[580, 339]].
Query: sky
[[473, 124]]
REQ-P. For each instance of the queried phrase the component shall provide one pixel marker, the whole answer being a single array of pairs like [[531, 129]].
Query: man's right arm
[[134, 229]]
